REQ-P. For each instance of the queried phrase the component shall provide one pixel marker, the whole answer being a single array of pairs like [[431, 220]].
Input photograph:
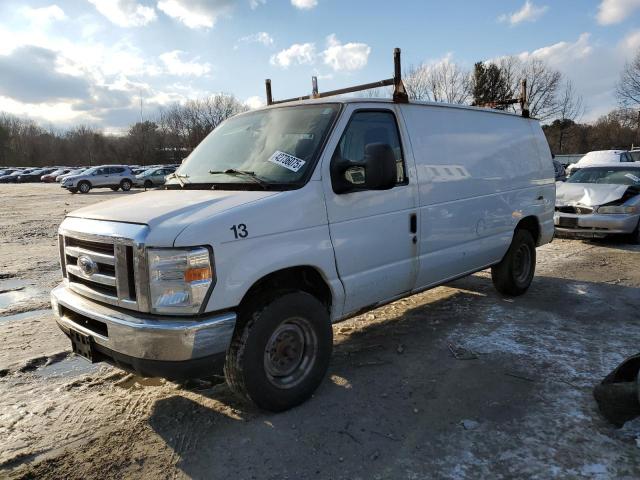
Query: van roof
[[347, 100]]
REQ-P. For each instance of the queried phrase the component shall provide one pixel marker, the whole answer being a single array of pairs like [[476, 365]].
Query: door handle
[[413, 223]]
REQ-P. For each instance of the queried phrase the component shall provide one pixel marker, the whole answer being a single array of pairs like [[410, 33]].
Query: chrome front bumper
[[595, 225], [143, 336]]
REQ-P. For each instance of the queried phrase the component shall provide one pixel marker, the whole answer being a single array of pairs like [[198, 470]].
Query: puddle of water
[[72, 366], [25, 315], [16, 291]]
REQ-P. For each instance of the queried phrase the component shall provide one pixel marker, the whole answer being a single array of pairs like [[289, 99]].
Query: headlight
[[618, 209], [179, 279]]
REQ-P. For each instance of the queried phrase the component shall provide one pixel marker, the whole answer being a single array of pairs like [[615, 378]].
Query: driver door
[[373, 232]]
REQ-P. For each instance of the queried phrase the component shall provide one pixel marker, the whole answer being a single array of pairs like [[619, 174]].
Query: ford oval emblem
[[87, 265]]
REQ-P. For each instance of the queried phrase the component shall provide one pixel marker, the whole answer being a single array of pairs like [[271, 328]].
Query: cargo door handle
[[413, 223]]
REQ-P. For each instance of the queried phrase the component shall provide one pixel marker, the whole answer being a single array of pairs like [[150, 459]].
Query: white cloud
[[304, 4], [256, 3], [125, 13], [296, 54], [196, 13], [615, 11], [562, 53], [45, 15], [261, 37], [632, 42], [255, 102], [176, 66], [528, 13], [348, 56]]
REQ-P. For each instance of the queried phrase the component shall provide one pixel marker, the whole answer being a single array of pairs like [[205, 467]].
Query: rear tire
[[115, 189], [84, 187], [513, 275], [280, 351], [635, 236], [125, 185]]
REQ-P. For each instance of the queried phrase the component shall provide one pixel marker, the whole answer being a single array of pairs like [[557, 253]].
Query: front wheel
[[280, 351], [84, 187], [513, 275], [148, 184]]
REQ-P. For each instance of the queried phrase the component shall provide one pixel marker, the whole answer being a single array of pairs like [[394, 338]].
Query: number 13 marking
[[240, 231]]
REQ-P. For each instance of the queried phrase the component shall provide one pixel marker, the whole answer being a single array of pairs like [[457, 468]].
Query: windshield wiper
[[242, 173], [178, 176]]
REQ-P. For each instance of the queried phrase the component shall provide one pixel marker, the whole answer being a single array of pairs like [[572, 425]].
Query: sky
[[109, 63]]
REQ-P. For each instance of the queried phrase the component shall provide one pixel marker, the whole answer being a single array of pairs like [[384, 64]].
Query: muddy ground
[[397, 403]]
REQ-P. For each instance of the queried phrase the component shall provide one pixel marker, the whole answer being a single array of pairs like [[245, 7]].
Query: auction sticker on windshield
[[287, 161]]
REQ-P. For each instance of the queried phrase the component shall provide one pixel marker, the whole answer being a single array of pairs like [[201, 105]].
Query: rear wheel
[[84, 187], [125, 185], [280, 351], [115, 189], [513, 275], [635, 236]]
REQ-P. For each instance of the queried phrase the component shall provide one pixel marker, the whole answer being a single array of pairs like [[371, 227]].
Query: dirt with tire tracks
[[456, 382]]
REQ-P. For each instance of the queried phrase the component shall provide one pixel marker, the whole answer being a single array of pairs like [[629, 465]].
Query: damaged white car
[[599, 201]]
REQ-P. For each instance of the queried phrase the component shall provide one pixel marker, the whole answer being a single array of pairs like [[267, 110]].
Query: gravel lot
[[397, 403]]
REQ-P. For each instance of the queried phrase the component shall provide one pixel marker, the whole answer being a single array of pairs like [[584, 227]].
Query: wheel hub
[[290, 353]]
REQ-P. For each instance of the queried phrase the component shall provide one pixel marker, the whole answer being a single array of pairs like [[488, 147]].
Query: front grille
[[107, 271], [575, 210]]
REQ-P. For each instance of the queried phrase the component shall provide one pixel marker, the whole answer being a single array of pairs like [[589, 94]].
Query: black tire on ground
[[125, 185], [280, 350], [635, 236], [148, 184], [84, 187], [514, 273], [115, 189]]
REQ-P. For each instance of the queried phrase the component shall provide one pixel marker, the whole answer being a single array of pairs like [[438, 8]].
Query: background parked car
[[33, 176], [560, 172], [12, 177], [51, 177], [599, 201], [106, 176], [73, 171], [153, 177], [600, 157]]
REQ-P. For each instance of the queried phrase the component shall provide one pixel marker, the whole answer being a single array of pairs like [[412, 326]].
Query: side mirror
[[377, 171]]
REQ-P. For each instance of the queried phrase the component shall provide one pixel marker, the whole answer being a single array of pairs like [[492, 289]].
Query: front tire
[[513, 275], [115, 189], [148, 184], [280, 351], [125, 185], [84, 187]]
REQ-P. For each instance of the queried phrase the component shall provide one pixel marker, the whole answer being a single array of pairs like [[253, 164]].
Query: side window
[[117, 169], [368, 127]]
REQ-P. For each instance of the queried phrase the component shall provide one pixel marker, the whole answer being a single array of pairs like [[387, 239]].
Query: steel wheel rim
[[290, 353], [522, 263], [84, 188]]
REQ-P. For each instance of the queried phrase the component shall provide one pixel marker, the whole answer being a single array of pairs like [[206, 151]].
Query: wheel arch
[[532, 225], [302, 277]]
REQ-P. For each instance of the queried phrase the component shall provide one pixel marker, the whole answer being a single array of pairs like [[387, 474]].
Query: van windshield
[[274, 148]]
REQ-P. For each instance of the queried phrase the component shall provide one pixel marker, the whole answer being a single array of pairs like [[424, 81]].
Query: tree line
[[178, 128]]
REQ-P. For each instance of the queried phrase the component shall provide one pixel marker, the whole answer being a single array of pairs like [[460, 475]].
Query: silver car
[[153, 177], [599, 201], [105, 176]]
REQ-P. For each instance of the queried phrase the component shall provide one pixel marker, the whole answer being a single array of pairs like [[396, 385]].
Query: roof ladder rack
[[399, 92], [522, 100]]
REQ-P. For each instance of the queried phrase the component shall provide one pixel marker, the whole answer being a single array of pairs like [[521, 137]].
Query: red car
[[51, 177]]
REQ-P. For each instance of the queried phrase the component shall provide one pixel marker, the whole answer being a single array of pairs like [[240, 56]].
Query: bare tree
[[628, 88], [443, 81], [570, 107]]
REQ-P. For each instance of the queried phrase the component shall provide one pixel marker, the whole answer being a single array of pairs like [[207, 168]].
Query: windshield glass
[[276, 146], [616, 176]]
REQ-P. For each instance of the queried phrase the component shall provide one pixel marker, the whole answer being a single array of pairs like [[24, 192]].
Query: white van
[[287, 219]]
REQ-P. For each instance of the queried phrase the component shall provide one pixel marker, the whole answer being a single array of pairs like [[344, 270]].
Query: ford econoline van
[[292, 217]]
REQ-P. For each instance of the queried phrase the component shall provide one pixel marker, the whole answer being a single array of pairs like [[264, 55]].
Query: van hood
[[588, 194], [175, 209]]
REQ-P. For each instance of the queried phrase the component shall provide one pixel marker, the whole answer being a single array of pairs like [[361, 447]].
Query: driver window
[[366, 127]]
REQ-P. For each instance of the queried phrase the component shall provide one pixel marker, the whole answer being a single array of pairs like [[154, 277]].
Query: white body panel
[[472, 175]]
